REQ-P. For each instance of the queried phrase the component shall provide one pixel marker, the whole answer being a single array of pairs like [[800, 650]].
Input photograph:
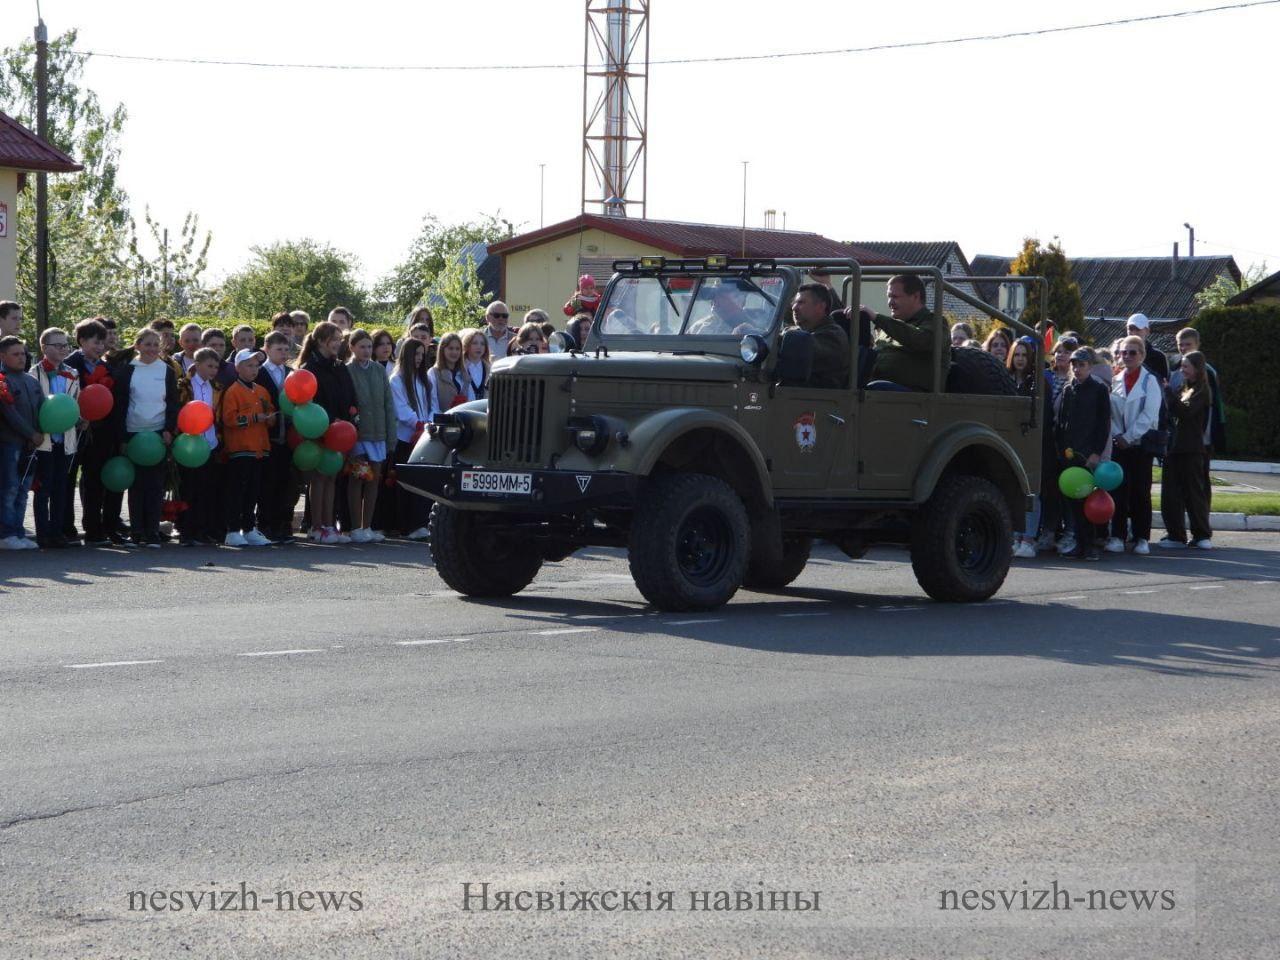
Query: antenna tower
[[615, 107]]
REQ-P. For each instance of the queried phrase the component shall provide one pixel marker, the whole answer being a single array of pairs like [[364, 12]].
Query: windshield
[[692, 306]]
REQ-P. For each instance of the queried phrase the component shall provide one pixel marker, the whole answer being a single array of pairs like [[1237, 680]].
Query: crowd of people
[[247, 490]]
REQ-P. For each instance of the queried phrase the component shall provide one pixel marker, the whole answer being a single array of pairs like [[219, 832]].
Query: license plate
[[489, 481]]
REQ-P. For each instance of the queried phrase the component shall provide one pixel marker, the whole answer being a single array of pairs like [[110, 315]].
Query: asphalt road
[[332, 718]]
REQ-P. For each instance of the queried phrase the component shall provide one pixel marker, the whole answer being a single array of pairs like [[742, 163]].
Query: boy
[[1083, 427], [283, 322], [279, 490], [201, 524], [243, 338], [55, 455], [96, 444], [216, 340], [247, 412], [189, 342], [20, 401], [11, 324]]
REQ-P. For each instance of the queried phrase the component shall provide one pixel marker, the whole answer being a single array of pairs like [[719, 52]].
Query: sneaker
[[342, 537], [1114, 545], [26, 543], [11, 543], [375, 536], [1203, 544], [314, 534], [330, 536], [361, 535], [1168, 543], [1043, 543], [235, 539], [1066, 545], [1025, 550], [1141, 548], [422, 533], [255, 539]]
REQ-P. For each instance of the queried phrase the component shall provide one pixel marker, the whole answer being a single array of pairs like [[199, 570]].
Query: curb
[[1243, 466], [1233, 522]]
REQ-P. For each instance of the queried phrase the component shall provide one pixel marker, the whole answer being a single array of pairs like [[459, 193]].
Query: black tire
[[978, 372], [960, 540], [474, 556], [773, 569], [689, 542]]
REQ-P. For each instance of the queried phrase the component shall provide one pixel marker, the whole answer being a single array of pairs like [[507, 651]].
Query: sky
[[1108, 139]]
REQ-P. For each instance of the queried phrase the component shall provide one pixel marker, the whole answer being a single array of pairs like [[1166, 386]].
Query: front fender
[[430, 451], [951, 443]]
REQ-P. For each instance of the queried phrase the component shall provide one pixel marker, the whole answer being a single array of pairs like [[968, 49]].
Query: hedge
[[1241, 343]]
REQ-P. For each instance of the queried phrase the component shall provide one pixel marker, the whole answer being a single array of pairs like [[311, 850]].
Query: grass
[[1157, 473], [1251, 504]]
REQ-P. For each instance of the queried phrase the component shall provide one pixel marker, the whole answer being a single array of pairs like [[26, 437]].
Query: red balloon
[[95, 402], [195, 417], [1099, 507], [340, 436], [300, 386], [293, 438]]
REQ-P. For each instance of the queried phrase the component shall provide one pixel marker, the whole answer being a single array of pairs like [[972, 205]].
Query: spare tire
[[976, 371]]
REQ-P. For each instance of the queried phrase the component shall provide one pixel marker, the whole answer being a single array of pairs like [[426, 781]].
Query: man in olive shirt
[[905, 340], [811, 309]]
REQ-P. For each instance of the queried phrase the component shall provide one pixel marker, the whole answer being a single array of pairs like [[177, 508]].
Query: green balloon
[[286, 405], [59, 413], [306, 455], [1076, 483], [330, 462], [146, 449], [117, 474], [310, 420], [191, 450]]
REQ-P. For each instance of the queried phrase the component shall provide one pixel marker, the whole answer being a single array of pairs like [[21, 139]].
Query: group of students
[[247, 491]]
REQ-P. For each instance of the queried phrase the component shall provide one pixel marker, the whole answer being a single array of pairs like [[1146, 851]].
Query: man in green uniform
[[811, 309], [905, 340]]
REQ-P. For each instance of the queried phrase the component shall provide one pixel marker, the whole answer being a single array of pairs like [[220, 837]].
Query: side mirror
[[795, 358]]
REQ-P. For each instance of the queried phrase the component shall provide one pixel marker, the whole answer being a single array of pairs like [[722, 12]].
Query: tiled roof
[[985, 265], [933, 253], [698, 239], [23, 150]]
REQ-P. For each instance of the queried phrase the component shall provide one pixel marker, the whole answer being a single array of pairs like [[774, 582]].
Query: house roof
[[934, 253], [697, 239], [21, 149], [1267, 286]]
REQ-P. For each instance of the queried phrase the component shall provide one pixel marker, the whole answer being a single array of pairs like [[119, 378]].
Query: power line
[[739, 58]]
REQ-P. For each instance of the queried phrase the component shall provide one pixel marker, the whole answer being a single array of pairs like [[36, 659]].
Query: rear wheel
[[960, 540], [771, 567], [689, 543], [477, 557]]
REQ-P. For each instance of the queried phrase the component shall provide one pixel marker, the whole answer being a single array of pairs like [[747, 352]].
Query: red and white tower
[[615, 107]]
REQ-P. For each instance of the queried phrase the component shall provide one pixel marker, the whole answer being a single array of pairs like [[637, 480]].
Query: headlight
[[452, 431], [561, 342], [753, 349], [590, 434]]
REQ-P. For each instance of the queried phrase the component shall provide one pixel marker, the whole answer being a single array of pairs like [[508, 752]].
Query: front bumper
[[551, 491]]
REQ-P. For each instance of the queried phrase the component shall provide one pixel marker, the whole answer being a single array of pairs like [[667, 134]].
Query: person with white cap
[[1138, 325]]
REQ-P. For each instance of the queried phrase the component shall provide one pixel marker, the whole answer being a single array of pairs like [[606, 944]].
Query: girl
[[336, 393], [1135, 410], [1184, 489], [530, 339], [998, 343], [475, 361], [384, 350], [411, 393], [421, 317], [146, 399], [377, 431], [447, 379], [1022, 365]]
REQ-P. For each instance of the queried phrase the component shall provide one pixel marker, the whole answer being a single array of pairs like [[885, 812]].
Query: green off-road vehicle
[[695, 443]]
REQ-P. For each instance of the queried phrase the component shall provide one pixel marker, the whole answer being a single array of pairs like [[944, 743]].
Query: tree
[[1065, 308], [456, 298], [429, 254], [164, 285], [1224, 287], [293, 275]]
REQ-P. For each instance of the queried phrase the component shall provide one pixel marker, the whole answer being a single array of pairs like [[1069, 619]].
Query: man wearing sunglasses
[[1139, 326], [496, 330]]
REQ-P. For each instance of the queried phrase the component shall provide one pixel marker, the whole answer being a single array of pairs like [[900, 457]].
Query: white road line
[[418, 643], [277, 653], [1216, 586], [1078, 596], [556, 633], [685, 623], [1132, 592], [825, 613], [111, 663], [898, 609]]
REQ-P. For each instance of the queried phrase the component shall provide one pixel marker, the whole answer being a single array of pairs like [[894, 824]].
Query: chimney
[[770, 219], [1173, 264]]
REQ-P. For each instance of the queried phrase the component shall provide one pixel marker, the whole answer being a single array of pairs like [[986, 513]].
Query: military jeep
[[684, 431]]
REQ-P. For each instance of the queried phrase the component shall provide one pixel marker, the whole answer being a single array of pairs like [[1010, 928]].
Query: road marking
[[277, 653], [898, 609], [110, 663], [1212, 587], [1132, 592], [822, 614], [418, 643], [685, 623], [556, 633], [1078, 596]]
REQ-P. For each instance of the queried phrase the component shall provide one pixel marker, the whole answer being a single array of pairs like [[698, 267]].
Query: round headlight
[[590, 434], [586, 439], [560, 342], [753, 349]]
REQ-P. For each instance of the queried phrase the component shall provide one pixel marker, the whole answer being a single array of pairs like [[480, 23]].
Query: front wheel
[[960, 540], [477, 557], [689, 542]]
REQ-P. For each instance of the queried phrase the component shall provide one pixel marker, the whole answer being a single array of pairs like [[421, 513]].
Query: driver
[[811, 309], [727, 318]]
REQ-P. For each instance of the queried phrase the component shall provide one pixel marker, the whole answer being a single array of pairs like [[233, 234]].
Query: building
[[541, 268], [1114, 288], [946, 255], [21, 153], [1266, 290]]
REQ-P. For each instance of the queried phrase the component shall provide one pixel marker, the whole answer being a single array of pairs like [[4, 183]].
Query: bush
[[1240, 343]]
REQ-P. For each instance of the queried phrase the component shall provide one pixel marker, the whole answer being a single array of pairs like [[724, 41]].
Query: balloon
[[300, 386], [1108, 475], [96, 402], [117, 474], [330, 462], [1099, 507], [340, 436], [1076, 483], [286, 405], [146, 449], [191, 450], [58, 413], [310, 420], [293, 438], [195, 417], [306, 455]]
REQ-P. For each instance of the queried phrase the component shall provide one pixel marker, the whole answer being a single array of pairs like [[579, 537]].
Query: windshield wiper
[[748, 281]]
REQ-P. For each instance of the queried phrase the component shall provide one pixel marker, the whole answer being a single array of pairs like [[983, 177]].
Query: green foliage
[[294, 275], [1065, 308], [1224, 287], [431, 251], [1236, 341], [168, 284], [457, 302]]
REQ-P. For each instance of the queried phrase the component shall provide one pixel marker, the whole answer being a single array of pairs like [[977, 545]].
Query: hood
[[632, 366]]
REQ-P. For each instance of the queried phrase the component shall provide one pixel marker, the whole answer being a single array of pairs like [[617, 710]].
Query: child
[[55, 454], [411, 393], [447, 378], [97, 443], [146, 399], [247, 412], [1082, 427], [201, 523], [585, 299], [475, 362], [279, 490], [337, 395], [243, 338], [377, 436], [216, 340], [20, 401]]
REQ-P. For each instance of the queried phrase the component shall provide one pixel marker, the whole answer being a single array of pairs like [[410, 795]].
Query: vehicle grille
[[515, 419]]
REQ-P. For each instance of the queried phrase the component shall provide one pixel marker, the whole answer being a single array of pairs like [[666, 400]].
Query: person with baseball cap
[[247, 411], [1081, 431], [1138, 325]]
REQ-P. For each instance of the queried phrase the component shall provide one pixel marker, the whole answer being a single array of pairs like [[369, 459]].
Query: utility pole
[[744, 207], [542, 195], [42, 179]]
